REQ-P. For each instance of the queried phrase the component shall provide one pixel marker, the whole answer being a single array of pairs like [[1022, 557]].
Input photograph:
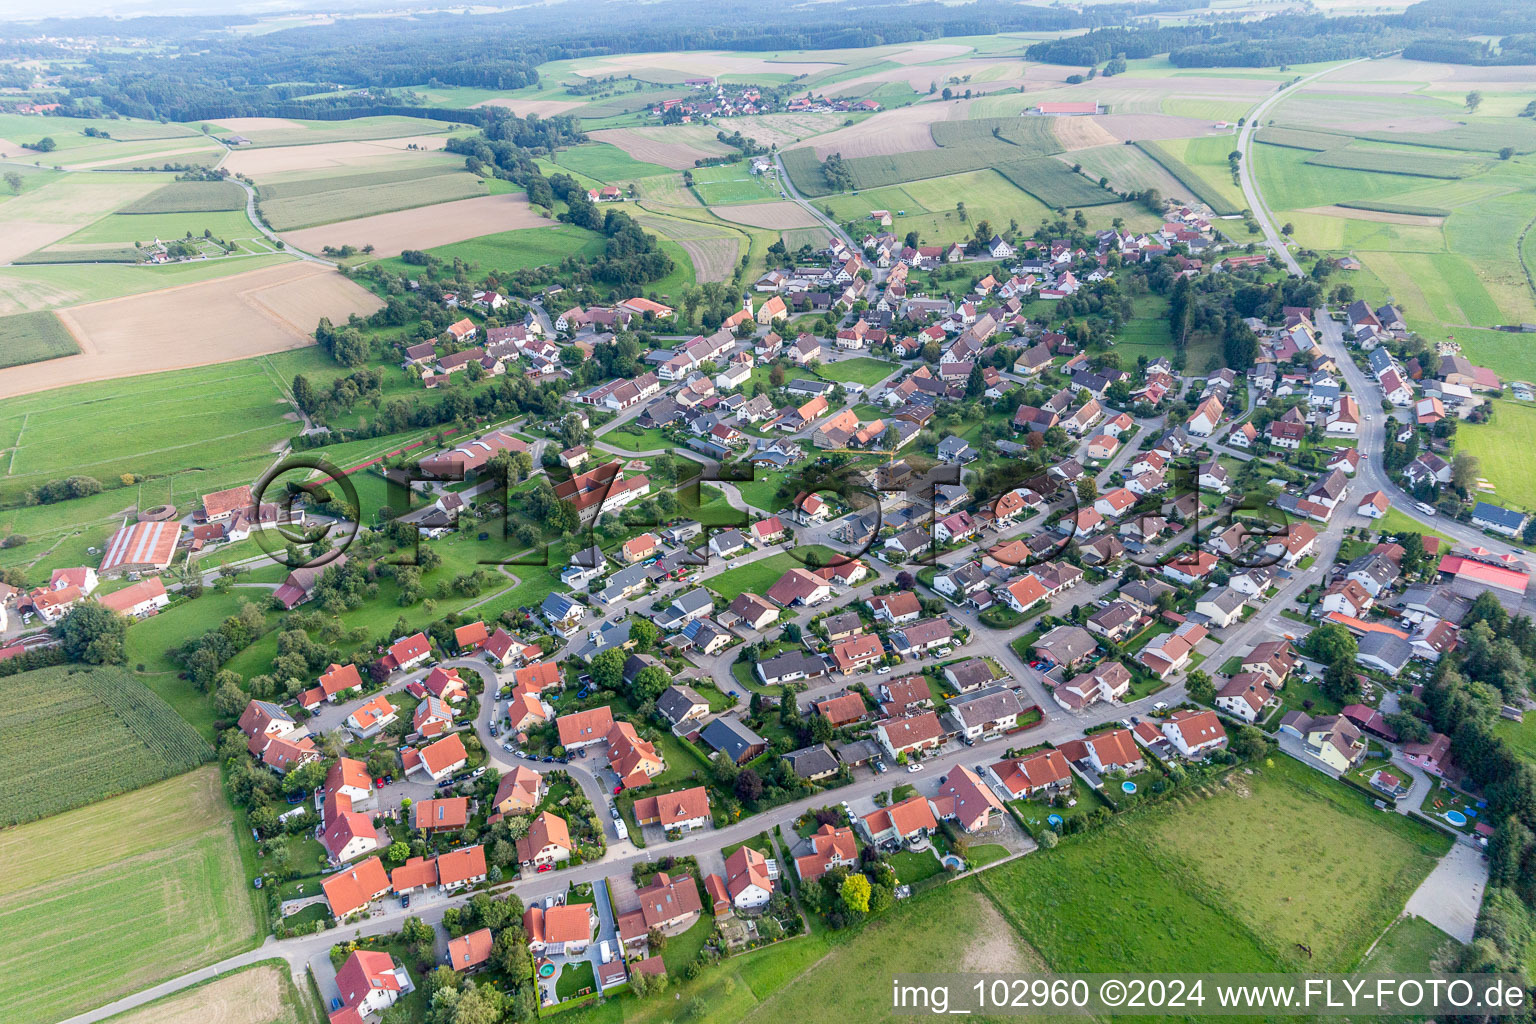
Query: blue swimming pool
[[1128, 787], [1456, 818], [1053, 819]]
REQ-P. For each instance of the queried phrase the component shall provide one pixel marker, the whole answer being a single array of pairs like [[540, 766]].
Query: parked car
[[1425, 507], [883, 670], [1161, 705], [405, 900], [915, 766], [879, 766], [477, 772]]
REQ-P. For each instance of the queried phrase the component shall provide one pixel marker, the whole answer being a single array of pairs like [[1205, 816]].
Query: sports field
[[154, 880], [33, 338]]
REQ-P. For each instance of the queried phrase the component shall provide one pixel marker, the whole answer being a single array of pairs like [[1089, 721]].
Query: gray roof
[[611, 635], [971, 672], [856, 751], [557, 606], [676, 701], [809, 762], [1226, 599], [1066, 644], [790, 662], [1509, 519], [1393, 650], [624, 579], [844, 622], [985, 706], [731, 737], [636, 663]]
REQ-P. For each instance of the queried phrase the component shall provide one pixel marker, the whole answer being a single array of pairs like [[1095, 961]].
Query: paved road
[[1256, 204]]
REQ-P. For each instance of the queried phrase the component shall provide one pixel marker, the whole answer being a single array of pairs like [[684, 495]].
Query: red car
[[617, 790], [545, 867], [378, 783]]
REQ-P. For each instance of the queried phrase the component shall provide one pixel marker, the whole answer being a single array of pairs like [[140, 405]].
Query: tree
[[649, 683], [93, 635], [1465, 469], [1330, 643], [1201, 689], [855, 893], [608, 668], [13, 180], [398, 851], [749, 786], [230, 700], [1473, 101], [644, 633]]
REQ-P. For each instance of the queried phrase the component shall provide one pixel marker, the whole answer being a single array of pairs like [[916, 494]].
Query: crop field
[[69, 133], [676, 146], [1055, 184], [72, 431], [1076, 133], [136, 739], [1160, 897], [1503, 447], [344, 157], [423, 228], [62, 205], [1399, 161], [190, 197], [33, 338], [518, 248], [782, 215], [262, 994], [123, 228], [159, 884], [1034, 135], [1299, 138], [711, 247], [607, 163], [1128, 168], [1406, 209], [1207, 181], [263, 311], [1481, 137], [294, 205], [277, 131]]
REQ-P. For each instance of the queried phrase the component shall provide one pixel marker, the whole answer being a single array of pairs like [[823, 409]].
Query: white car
[[1161, 705], [915, 766], [883, 670], [1425, 507], [477, 773]]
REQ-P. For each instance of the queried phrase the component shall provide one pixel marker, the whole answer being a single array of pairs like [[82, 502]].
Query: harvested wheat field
[[697, 63], [1080, 133], [376, 155], [891, 131], [1378, 216], [782, 216], [251, 314], [250, 125], [1141, 127], [253, 996], [151, 158], [714, 259], [543, 108], [19, 237], [925, 52], [784, 130], [674, 146], [423, 227]]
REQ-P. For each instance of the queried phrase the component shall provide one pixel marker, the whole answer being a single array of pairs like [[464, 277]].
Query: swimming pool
[[1054, 820], [1456, 818], [1129, 787]]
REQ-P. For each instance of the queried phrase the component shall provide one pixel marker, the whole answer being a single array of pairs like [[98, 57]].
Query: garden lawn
[[912, 868], [1296, 878], [573, 978], [758, 576], [860, 370], [1408, 947], [154, 879], [1503, 446]]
